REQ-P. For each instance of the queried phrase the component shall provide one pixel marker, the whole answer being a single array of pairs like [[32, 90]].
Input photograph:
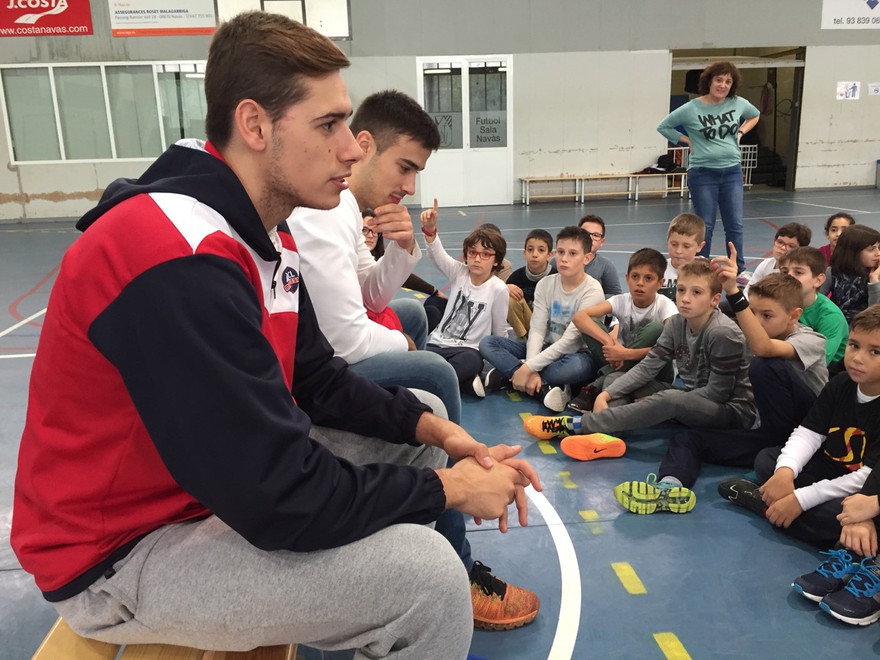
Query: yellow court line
[[565, 475], [671, 646], [547, 448], [627, 576], [592, 517], [514, 396], [524, 416], [419, 295], [462, 213]]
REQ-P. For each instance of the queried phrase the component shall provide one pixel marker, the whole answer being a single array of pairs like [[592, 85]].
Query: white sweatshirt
[[342, 277]]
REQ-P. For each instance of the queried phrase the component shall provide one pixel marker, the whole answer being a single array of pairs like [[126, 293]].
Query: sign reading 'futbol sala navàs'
[[45, 18]]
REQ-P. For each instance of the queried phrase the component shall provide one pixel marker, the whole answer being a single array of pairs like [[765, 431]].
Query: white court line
[[17, 355], [833, 208], [570, 598], [23, 322]]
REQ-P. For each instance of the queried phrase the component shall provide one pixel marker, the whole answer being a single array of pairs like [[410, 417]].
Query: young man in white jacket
[[397, 137]]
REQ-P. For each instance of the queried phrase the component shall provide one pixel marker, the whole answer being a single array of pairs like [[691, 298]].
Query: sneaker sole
[[800, 590], [868, 620], [584, 448], [557, 400], [480, 624], [643, 499]]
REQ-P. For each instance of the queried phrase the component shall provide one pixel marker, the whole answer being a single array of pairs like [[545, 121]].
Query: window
[[101, 111], [443, 101]]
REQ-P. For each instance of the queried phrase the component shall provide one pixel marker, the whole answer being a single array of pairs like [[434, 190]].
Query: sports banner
[[161, 18], [45, 18]]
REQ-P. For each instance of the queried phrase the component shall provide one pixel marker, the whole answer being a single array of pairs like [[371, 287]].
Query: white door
[[474, 165]]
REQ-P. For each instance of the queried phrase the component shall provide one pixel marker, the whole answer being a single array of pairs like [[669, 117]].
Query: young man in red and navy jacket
[[170, 489]]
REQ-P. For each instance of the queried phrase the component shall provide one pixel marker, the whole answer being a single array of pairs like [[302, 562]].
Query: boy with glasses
[[477, 301], [788, 237], [599, 268]]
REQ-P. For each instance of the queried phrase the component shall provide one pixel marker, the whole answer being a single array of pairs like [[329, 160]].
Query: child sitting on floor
[[685, 237], [710, 353], [853, 279], [639, 317], [788, 237], [787, 372], [555, 355], [477, 300], [831, 453], [807, 266], [522, 282]]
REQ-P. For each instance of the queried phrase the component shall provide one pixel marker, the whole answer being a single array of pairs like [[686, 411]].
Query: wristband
[[429, 234], [738, 301]]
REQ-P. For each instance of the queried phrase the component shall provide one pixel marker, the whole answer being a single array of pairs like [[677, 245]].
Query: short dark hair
[[389, 115], [488, 238], [593, 218], [846, 258], [540, 235], [648, 257], [264, 57], [491, 227], [688, 224], [700, 267], [577, 234], [807, 256], [719, 69], [832, 218], [780, 287], [867, 320], [796, 230]]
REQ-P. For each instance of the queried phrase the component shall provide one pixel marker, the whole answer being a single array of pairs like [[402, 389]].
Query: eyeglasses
[[485, 255], [596, 235], [780, 243], [366, 231]]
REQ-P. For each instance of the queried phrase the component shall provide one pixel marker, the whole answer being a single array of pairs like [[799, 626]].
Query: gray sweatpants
[[663, 403], [400, 593]]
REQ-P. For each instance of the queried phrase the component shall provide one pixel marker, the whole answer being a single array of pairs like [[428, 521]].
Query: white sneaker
[[557, 398], [478, 387]]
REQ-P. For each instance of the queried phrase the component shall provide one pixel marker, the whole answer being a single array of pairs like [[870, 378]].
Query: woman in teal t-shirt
[[715, 122]]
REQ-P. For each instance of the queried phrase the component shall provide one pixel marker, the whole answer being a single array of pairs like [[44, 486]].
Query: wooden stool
[[63, 644]]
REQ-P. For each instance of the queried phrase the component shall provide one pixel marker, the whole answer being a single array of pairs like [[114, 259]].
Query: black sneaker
[[743, 492], [858, 603], [584, 401], [495, 380], [832, 575]]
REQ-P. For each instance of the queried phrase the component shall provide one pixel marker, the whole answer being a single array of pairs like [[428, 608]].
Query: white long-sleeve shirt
[[551, 332], [344, 279], [473, 311]]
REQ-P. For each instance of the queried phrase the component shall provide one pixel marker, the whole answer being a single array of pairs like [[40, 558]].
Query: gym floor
[[712, 583]]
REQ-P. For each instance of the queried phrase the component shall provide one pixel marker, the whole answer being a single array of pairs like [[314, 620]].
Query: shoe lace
[[839, 563], [481, 576], [866, 581], [554, 424]]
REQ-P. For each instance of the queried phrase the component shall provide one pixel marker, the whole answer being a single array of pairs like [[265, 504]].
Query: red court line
[[13, 306]]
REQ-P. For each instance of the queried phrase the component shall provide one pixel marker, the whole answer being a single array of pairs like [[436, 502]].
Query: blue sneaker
[[858, 603], [832, 575]]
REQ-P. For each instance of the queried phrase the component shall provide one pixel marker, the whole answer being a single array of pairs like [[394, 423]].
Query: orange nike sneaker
[[593, 446], [546, 428]]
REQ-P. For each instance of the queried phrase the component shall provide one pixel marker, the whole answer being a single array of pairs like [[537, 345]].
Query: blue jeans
[[413, 319], [507, 355], [712, 188], [420, 370]]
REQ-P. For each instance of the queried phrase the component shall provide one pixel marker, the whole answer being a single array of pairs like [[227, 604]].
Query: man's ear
[[366, 141], [252, 124]]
